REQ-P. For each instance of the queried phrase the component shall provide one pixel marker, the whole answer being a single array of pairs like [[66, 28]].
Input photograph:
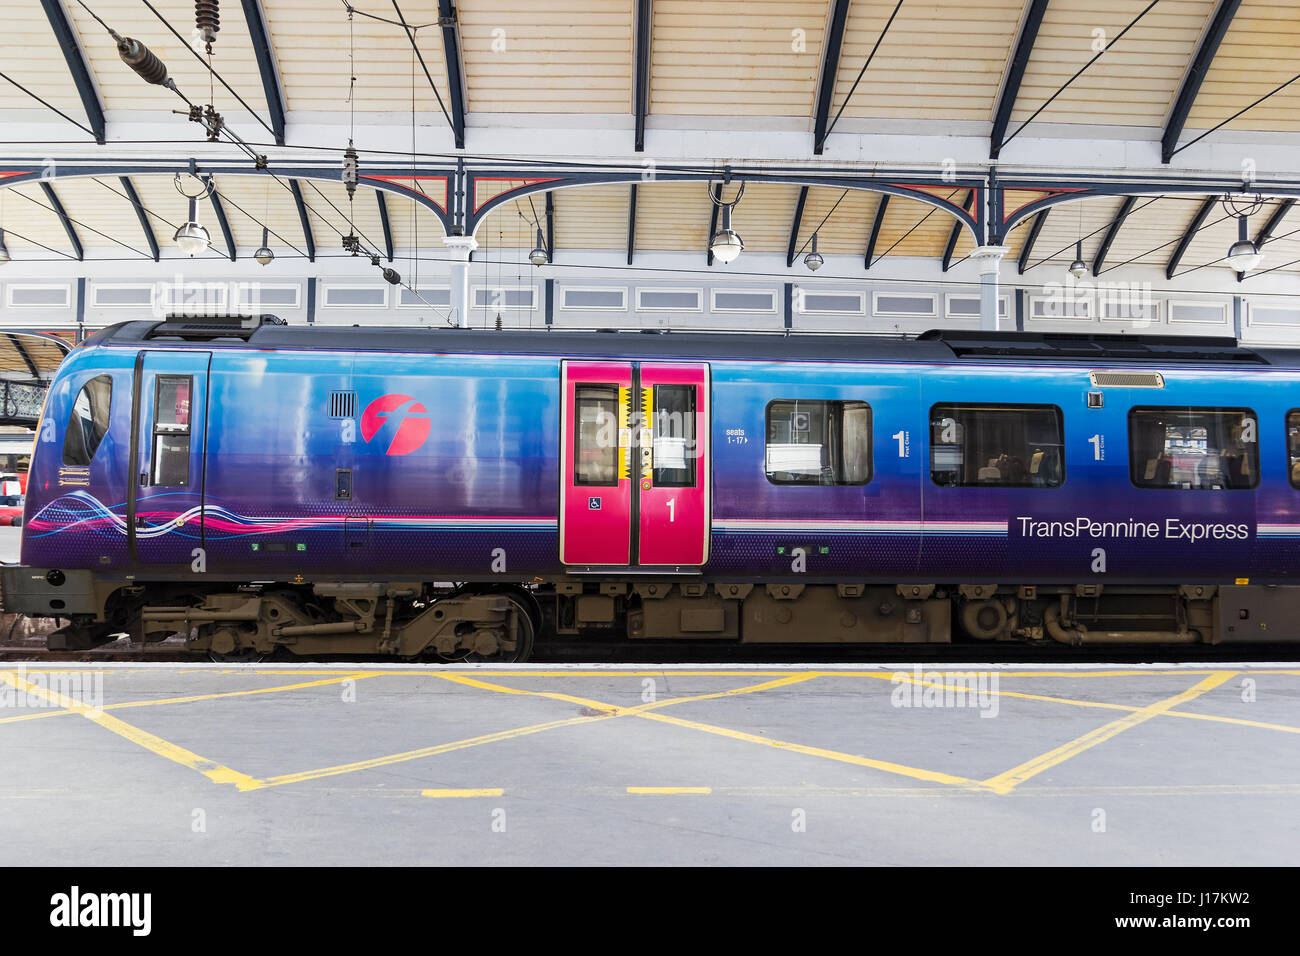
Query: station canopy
[[1150, 126]]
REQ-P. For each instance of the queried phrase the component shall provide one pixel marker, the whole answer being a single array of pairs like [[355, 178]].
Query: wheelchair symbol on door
[[593, 504]]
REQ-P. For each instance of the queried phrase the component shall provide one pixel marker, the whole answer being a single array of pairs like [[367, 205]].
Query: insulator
[[207, 17], [350, 170], [141, 59]]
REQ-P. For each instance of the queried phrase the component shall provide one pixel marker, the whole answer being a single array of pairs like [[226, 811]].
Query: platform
[[962, 764]]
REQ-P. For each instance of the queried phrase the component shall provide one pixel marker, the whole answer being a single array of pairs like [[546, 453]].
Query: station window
[[673, 422], [171, 430], [818, 442], [1196, 449], [997, 446], [88, 422], [595, 435]]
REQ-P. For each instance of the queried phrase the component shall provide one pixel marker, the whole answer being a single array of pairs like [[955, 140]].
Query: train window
[[818, 443], [1293, 446], [595, 441], [997, 446], [1196, 449], [674, 436], [88, 422], [171, 430]]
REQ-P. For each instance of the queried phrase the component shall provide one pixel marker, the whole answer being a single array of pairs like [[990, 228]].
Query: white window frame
[[25, 286], [1004, 305], [1225, 317], [698, 293], [1087, 315], [713, 301], [801, 300], [329, 287], [1104, 300], [566, 289], [420, 290], [1251, 321], [932, 314], [147, 287], [241, 287], [475, 290]]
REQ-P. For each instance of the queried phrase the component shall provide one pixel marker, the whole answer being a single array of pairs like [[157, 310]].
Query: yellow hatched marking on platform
[[644, 711], [1074, 702], [669, 791], [1008, 780], [454, 794], [154, 744], [189, 699], [606, 711], [616, 710], [887, 766], [413, 754]]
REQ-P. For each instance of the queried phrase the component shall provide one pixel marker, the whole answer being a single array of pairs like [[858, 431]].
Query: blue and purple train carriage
[[451, 494]]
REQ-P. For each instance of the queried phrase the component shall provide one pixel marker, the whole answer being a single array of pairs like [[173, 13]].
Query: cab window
[[88, 422]]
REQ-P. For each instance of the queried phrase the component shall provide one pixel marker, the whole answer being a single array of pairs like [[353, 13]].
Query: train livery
[[450, 494]]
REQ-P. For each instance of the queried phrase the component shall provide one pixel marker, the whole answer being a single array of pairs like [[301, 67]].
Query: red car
[[11, 500]]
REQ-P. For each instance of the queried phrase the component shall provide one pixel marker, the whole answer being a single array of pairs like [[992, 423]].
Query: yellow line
[[413, 754], [1007, 781], [234, 693], [187, 700], [669, 791], [615, 710], [1074, 702], [889, 767], [605, 710], [451, 794], [163, 748]]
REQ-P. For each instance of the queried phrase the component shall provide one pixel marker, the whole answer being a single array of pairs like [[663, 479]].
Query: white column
[[461, 247], [989, 260]]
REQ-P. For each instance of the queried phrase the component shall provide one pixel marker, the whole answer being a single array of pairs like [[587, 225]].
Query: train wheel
[[525, 629]]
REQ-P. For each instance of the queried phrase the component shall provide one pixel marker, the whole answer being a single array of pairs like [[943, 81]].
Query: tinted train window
[[595, 444], [171, 430], [88, 423], [673, 422], [1293, 446], [818, 443], [997, 446], [1196, 449]]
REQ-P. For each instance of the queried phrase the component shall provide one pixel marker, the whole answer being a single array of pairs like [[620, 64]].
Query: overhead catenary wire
[[823, 222], [47, 104], [848, 96], [1236, 115], [1106, 46], [78, 222]]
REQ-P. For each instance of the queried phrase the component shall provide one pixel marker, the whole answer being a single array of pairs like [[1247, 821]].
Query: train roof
[[938, 346]]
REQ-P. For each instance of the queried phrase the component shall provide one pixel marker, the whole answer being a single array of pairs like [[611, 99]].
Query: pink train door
[[635, 455], [596, 485], [674, 511]]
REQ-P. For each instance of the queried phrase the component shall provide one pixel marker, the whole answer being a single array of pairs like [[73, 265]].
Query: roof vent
[[204, 327], [1127, 379]]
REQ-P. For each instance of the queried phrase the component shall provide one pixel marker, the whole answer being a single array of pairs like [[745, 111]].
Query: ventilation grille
[[343, 404], [1128, 379]]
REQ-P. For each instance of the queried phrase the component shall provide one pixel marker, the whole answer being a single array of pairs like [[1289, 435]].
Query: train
[[451, 494]]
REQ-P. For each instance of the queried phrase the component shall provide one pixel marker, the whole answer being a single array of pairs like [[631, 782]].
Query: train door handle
[[144, 478]]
